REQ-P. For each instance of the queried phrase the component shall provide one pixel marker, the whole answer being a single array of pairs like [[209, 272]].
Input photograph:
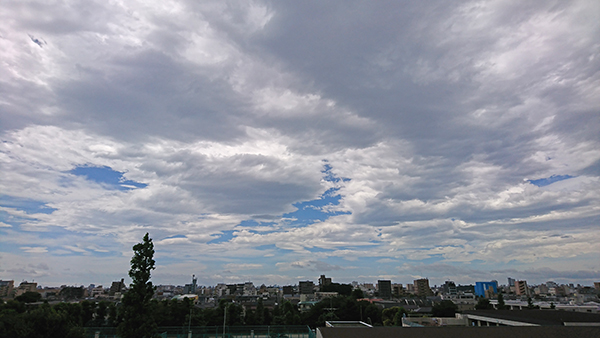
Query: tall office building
[[385, 289], [486, 289], [306, 287]]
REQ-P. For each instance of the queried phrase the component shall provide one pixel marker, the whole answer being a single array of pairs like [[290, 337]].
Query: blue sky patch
[[267, 247], [319, 249], [542, 182], [107, 177], [225, 236], [309, 212], [329, 176], [25, 204], [176, 236], [7, 218], [312, 211]]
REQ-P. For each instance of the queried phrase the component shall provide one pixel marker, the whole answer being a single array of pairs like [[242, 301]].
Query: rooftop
[[539, 317], [459, 332]]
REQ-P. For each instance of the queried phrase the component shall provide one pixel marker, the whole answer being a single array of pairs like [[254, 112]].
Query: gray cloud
[[437, 113]]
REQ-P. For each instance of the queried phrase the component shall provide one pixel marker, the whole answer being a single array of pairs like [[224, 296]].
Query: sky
[[275, 141]]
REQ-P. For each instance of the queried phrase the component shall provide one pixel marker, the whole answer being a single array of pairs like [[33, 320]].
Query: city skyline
[[278, 141], [315, 284]]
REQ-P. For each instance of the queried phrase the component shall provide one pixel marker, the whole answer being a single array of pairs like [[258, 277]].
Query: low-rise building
[[398, 290], [25, 287], [117, 289], [521, 288], [422, 288]]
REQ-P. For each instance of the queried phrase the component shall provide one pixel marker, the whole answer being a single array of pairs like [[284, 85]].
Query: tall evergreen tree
[[501, 304], [260, 312], [137, 319]]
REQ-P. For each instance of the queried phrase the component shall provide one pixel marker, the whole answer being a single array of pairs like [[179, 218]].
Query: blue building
[[482, 287]]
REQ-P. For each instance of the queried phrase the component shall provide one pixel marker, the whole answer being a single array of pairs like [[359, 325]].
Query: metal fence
[[266, 331]]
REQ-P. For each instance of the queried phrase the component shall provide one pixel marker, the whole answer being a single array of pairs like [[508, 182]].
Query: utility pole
[[224, 319], [190, 325]]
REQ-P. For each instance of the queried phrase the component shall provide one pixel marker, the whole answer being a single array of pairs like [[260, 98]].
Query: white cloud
[[243, 266], [34, 250]]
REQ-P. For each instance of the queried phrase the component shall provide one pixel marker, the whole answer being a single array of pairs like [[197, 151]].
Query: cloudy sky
[[275, 141]]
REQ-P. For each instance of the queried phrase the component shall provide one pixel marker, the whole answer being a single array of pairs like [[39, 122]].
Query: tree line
[[19, 319], [138, 315]]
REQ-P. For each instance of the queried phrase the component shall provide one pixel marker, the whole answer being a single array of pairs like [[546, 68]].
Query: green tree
[[445, 308], [342, 289], [260, 312], [29, 297], [372, 314], [501, 304], [45, 321], [398, 317], [483, 304], [18, 321], [135, 311], [112, 318], [234, 314], [391, 315], [72, 293], [87, 312], [287, 314], [357, 294], [530, 305], [101, 313]]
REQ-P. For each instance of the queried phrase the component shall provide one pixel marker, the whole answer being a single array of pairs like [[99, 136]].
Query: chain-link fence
[[272, 331]]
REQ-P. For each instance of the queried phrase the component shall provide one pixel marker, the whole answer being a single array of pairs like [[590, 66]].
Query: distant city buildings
[[417, 296], [422, 288]]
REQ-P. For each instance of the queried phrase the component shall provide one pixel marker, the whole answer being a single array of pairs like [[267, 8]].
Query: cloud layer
[[275, 141]]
